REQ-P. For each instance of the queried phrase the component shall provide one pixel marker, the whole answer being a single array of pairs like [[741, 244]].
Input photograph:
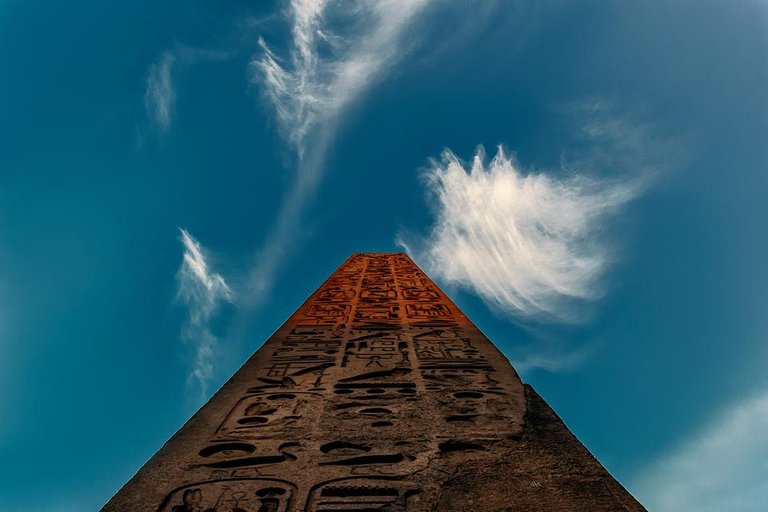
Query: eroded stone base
[[548, 469]]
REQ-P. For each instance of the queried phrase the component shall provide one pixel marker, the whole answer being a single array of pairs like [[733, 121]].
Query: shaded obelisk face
[[378, 394], [357, 403]]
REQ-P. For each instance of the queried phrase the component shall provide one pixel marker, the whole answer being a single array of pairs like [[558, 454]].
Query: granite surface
[[378, 394]]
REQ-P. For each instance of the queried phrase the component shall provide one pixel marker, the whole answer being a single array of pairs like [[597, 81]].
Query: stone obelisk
[[377, 395]]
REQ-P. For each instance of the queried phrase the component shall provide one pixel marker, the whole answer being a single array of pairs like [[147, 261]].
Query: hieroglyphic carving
[[234, 495], [373, 377], [368, 398], [270, 415], [361, 494]]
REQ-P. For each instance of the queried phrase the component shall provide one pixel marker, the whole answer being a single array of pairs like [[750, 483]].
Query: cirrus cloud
[[160, 94], [337, 52], [203, 292], [529, 244]]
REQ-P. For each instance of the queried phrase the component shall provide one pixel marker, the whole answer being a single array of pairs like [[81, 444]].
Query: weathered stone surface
[[378, 394]]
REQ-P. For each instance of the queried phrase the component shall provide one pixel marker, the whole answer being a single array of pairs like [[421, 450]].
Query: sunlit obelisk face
[[378, 394]]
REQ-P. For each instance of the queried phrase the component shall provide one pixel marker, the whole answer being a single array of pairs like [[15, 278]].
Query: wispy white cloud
[[160, 92], [529, 244], [336, 52], [724, 467], [328, 67], [160, 95], [202, 291], [552, 359], [619, 143]]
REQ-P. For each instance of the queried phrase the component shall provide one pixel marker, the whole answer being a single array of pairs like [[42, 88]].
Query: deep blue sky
[[94, 189]]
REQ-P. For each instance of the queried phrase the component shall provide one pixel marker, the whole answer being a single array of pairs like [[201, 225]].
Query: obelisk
[[378, 394]]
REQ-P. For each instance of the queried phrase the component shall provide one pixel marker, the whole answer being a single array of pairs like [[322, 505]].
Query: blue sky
[[587, 180]]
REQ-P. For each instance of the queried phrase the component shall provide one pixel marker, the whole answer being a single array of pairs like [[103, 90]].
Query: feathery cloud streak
[[160, 92], [327, 69], [336, 53], [202, 292], [724, 467], [160, 95], [527, 244]]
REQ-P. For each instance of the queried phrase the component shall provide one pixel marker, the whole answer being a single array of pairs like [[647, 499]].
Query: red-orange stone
[[378, 394]]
